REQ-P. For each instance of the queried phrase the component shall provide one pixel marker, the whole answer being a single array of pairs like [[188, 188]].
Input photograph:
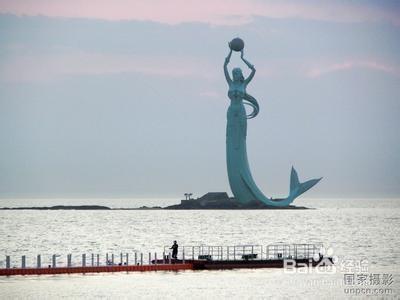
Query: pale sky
[[128, 99]]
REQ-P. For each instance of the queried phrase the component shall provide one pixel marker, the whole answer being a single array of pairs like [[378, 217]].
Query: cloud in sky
[[45, 68], [349, 65], [42, 49], [49, 67], [226, 12]]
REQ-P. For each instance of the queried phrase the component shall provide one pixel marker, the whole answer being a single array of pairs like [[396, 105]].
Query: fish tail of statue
[[296, 187]]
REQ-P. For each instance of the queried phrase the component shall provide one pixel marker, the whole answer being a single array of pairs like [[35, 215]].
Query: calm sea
[[355, 230]]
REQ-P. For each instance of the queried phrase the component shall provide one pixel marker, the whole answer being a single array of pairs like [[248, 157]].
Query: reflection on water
[[354, 229]]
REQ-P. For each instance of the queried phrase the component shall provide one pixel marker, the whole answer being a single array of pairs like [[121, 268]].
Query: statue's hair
[[248, 99], [241, 73], [251, 101]]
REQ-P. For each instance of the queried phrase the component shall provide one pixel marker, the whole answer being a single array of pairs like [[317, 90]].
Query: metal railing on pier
[[248, 252], [293, 251], [83, 260]]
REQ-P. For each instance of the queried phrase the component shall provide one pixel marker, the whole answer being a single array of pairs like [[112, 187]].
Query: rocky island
[[211, 200], [221, 200]]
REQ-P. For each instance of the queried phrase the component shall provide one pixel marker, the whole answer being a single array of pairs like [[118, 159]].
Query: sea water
[[354, 230]]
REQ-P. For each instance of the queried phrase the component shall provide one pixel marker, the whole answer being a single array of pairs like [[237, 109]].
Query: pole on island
[[53, 264], [39, 261], [69, 260], [83, 260], [23, 262], [8, 262]]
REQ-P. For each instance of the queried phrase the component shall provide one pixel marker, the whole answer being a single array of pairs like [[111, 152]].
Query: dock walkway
[[191, 258]]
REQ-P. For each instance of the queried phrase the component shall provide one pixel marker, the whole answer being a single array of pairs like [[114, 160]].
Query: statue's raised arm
[[251, 67], [227, 60]]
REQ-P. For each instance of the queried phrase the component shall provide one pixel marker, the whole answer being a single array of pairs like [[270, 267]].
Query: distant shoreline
[[60, 207], [101, 207]]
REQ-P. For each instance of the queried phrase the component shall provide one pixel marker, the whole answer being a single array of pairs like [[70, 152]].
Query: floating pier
[[190, 258]]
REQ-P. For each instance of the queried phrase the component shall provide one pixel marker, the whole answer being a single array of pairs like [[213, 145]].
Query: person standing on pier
[[174, 250]]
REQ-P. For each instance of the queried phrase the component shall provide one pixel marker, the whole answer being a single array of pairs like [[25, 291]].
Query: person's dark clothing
[[174, 250]]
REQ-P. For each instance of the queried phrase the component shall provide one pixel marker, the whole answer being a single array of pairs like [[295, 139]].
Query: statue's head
[[237, 74]]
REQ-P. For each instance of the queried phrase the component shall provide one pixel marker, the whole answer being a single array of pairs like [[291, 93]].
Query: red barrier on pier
[[176, 266], [95, 269]]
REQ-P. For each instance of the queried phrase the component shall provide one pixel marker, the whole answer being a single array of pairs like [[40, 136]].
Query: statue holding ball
[[241, 181]]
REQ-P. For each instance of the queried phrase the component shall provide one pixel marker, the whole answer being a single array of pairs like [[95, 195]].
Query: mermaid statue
[[241, 181]]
